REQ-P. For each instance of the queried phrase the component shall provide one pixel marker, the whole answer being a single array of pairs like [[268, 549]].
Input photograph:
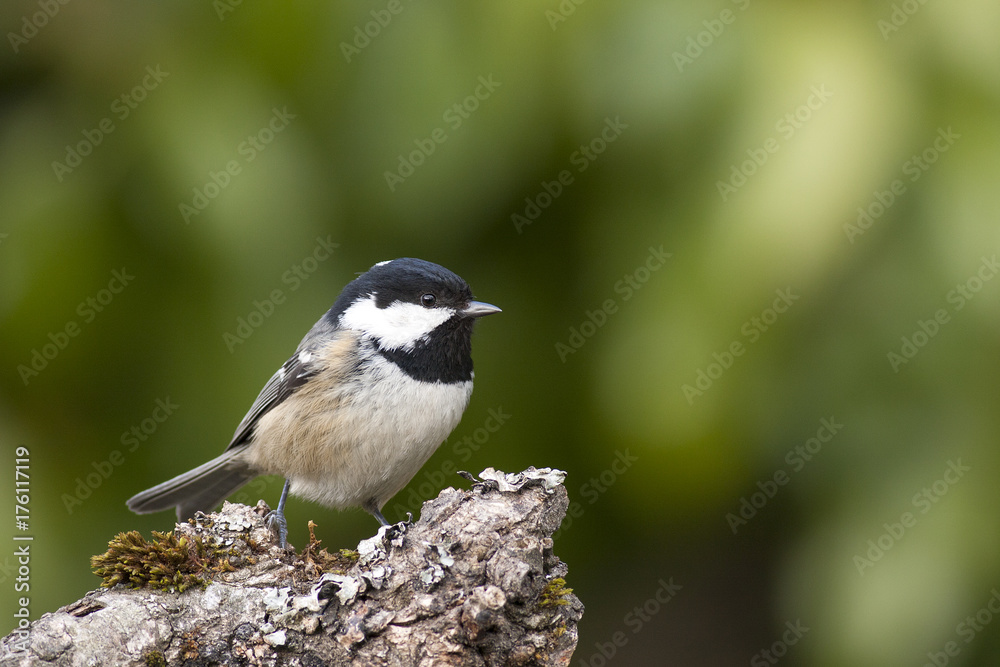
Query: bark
[[473, 582]]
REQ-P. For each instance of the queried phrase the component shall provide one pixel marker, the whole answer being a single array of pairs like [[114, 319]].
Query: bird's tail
[[200, 489]]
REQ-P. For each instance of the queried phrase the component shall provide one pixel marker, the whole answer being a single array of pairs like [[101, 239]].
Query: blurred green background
[[823, 175]]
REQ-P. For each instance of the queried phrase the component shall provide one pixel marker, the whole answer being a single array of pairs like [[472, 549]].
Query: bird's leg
[[276, 518], [372, 508]]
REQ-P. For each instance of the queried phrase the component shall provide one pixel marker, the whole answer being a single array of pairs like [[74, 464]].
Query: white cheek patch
[[400, 325]]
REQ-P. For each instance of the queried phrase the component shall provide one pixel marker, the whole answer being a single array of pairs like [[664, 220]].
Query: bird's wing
[[293, 374]]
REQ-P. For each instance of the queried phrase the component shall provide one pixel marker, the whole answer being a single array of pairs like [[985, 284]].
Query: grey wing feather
[[293, 374]]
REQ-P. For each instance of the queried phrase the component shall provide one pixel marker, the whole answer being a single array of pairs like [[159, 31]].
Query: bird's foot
[[278, 525], [276, 521]]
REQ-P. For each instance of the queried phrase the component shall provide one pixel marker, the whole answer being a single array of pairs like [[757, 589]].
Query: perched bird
[[370, 393]]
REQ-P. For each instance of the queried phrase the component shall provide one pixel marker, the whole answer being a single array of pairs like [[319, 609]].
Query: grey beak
[[478, 309]]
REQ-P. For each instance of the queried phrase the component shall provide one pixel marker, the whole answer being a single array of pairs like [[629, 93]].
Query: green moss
[[155, 659], [166, 563], [350, 555], [554, 593]]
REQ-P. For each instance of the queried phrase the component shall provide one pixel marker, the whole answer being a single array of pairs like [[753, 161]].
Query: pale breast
[[357, 433]]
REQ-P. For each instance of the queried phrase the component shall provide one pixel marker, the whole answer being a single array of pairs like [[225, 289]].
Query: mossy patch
[[167, 562], [554, 594], [154, 659]]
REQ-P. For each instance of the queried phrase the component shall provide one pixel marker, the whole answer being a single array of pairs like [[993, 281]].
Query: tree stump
[[474, 582]]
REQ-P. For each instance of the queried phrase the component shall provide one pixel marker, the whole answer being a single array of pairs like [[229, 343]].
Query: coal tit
[[370, 393]]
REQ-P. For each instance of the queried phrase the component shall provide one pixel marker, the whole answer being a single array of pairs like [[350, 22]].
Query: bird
[[370, 393]]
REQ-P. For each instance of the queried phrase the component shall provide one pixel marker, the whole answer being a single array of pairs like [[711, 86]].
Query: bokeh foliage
[[654, 474]]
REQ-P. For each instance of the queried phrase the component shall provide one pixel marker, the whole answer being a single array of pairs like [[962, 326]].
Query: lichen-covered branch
[[474, 582]]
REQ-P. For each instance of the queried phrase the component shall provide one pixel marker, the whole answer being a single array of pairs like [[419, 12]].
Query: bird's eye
[[428, 300]]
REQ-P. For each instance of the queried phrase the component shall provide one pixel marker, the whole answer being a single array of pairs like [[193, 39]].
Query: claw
[[278, 526], [276, 521]]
